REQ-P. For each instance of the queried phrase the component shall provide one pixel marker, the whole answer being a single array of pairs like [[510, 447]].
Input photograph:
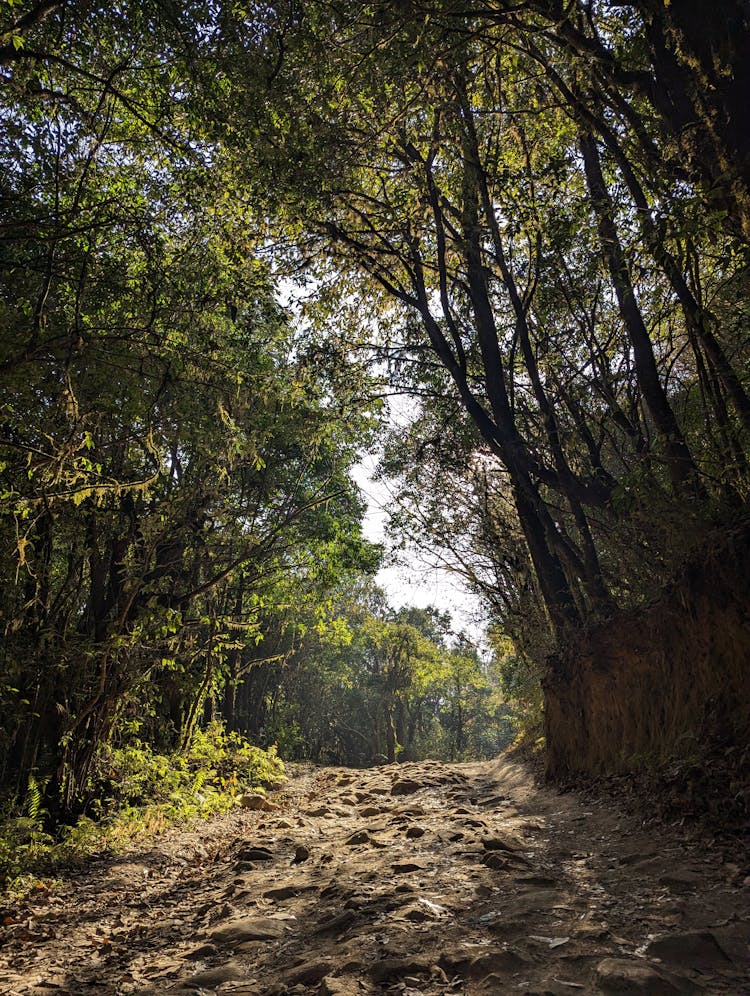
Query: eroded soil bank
[[664, 681], [415, 878]]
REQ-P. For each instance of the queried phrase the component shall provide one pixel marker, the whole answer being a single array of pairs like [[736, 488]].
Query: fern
[[33, 798]]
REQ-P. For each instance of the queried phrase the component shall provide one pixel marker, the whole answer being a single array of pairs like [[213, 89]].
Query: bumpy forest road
[[421, 878]]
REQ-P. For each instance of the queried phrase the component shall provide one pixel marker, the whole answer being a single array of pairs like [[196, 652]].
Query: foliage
[[213, 770], [136, 791], [370, 685], [511, 192], [530, 218], [520, 682], [173, 456]]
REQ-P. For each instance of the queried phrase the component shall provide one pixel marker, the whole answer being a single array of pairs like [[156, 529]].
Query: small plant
[[134, 792]]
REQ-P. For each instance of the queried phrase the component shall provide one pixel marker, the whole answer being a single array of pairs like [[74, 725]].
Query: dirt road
[[415, 879]]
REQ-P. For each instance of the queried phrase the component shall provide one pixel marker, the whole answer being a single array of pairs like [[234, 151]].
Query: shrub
[[134, 791]]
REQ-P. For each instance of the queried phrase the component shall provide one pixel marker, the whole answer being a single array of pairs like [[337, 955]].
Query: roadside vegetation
[[133, 794]]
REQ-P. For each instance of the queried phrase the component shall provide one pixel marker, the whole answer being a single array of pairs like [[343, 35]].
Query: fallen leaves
[[551, 942]]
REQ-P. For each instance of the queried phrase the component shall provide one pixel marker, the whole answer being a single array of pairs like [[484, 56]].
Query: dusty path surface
[[415, 879]]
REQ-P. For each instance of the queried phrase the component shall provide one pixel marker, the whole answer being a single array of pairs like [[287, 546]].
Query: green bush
[[205, 778], [134, 791]]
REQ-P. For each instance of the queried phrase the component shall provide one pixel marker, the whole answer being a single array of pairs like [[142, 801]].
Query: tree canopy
[[543, 206]]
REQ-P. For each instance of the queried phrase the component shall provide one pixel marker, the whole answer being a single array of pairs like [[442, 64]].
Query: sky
[[412, 581]]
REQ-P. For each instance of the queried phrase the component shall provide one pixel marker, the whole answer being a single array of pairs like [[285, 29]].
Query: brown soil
[[415, 879]]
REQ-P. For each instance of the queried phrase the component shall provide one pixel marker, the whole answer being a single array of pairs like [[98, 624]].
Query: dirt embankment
[[413, 879], [667, 681]]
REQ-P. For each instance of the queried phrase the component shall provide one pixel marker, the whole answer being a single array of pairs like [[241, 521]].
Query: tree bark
[[679, 460]]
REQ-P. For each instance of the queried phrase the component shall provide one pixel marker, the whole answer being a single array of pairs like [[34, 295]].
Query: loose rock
[[337, 924], [404, 867], [527, 900], [232, 971], [505, 843], [248, 929], [622, 977], [257, 802], [301, 854], [695, 949], [358, 837], [396, 968], [309, 973], [255, 854]]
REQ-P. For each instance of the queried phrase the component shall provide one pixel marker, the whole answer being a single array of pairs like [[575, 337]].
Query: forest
[[236, 240]]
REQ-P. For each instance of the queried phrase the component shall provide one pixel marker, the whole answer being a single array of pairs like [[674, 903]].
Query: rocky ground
[[414, 879]]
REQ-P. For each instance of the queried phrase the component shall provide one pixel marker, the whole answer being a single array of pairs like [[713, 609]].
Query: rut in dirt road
[[421, 878]]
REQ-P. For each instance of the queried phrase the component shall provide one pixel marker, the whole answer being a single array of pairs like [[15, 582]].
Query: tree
[[367, 684], [534, 216], [581, 354], [170, 450]]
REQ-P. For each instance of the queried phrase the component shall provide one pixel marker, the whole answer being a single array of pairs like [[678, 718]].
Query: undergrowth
[[133, 793]]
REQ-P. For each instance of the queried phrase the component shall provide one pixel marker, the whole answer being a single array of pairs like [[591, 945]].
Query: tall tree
[[170, 446]]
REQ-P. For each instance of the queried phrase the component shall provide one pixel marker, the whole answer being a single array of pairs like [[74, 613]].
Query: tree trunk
[[679, 461]]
